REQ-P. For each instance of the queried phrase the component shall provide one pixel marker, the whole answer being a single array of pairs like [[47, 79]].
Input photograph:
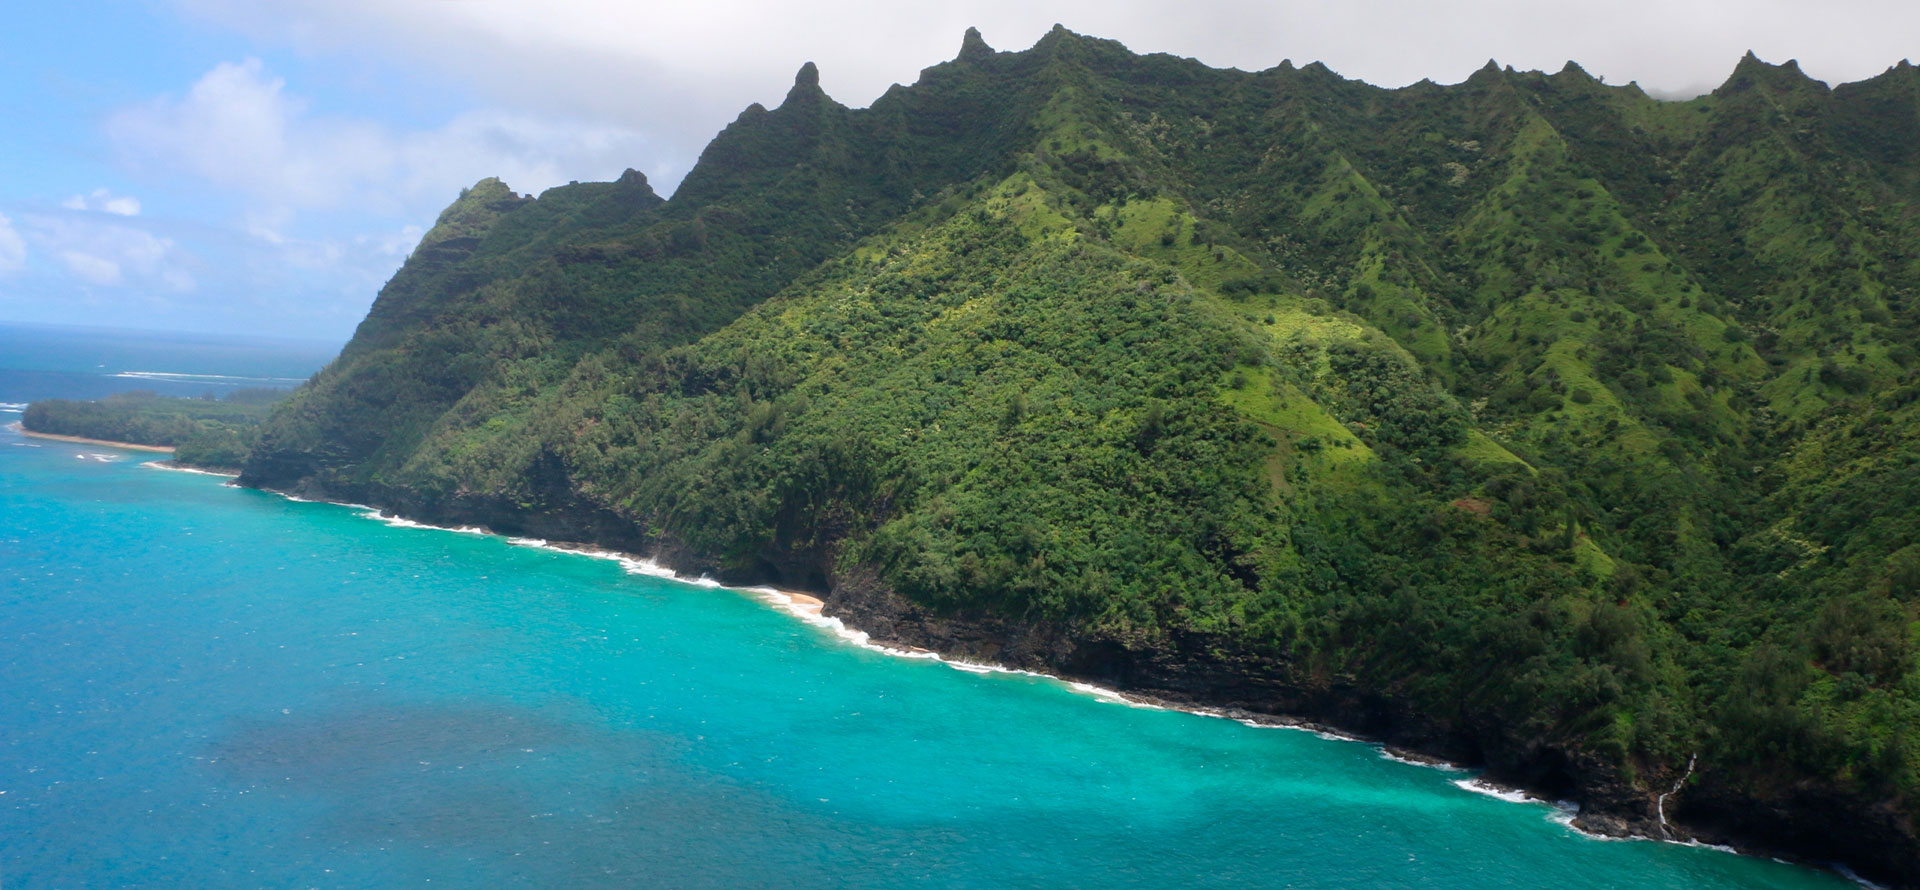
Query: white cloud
[[236, 127], [171, 273], [239, 127], [112, 254], [91, 269], [13, 248], [325, 204], [104, 201], [397, 245], [671, 67]]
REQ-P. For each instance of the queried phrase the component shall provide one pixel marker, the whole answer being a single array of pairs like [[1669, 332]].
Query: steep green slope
[[1528, 420]]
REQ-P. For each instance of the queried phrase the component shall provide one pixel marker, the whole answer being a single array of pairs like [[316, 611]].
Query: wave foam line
[[1564, 812], [192, 378], [1849, 874], [403, 522], [810, 610], [1560, 812], [1116, 697], [1441, 765], [1254, 722], [977, 667], [632, 564], [163, 465], [1703, 845], [1479, 786]]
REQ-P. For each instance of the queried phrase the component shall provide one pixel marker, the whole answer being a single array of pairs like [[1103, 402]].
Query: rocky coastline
[[1206, 673]]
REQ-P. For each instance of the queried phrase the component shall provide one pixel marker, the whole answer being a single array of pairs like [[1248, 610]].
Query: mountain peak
[[1490, 72], [1751, 72], [712, 378], [1752, 65], [1318, 68], [1058, 36], [973, 46], [473, 213], [806, 87], [489, 187], [1573, 69]]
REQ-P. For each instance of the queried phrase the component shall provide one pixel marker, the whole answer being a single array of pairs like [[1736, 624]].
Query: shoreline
[[177, 467], [17, 427], [811, 609]]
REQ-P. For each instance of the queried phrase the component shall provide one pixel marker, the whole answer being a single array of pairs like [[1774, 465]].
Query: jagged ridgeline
[[1529, 419]]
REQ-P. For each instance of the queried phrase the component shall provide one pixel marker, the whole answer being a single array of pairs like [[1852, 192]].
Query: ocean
[[208, 687]]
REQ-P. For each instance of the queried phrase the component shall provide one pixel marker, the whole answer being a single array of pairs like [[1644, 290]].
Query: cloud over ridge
[[238, 126]]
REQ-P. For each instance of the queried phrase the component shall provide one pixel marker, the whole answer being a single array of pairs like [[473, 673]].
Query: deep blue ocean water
[[206, 687], [44, 362]]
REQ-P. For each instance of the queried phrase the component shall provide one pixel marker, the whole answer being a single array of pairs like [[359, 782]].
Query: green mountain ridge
[[1528, 420]]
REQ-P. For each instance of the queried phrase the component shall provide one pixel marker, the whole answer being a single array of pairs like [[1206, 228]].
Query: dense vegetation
[[210, 432], [1583, 425]]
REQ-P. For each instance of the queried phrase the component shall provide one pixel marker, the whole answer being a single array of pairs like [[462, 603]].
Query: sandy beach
[[163, 449], [804, 603]]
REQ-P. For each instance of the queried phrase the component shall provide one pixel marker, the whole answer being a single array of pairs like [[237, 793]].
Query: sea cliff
[[1529, 421]]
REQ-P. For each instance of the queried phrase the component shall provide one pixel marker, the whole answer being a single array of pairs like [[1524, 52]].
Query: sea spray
[[805, 608], [810, 611], [209, 379], [1430, 763], [566, 659], [176, 468], [1849, 874], [403, 522], [1499, 792], [814, 615], [810, 615]]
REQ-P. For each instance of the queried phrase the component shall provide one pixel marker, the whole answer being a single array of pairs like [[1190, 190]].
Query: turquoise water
[[202, 686]]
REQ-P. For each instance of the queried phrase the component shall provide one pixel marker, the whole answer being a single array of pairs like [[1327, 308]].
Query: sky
[[261, 167]]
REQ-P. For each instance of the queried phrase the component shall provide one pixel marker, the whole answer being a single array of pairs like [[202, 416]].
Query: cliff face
[[1529, 420]]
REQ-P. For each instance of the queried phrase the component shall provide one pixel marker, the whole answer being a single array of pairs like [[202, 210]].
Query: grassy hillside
[[1564, 427]]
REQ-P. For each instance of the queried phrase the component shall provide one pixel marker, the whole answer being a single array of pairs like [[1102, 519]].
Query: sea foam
[[1564, 812], [163, 465], [219, 379], [1849, 874], [1430, 764], [1479, 786], [403, 522], [807, 609]]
